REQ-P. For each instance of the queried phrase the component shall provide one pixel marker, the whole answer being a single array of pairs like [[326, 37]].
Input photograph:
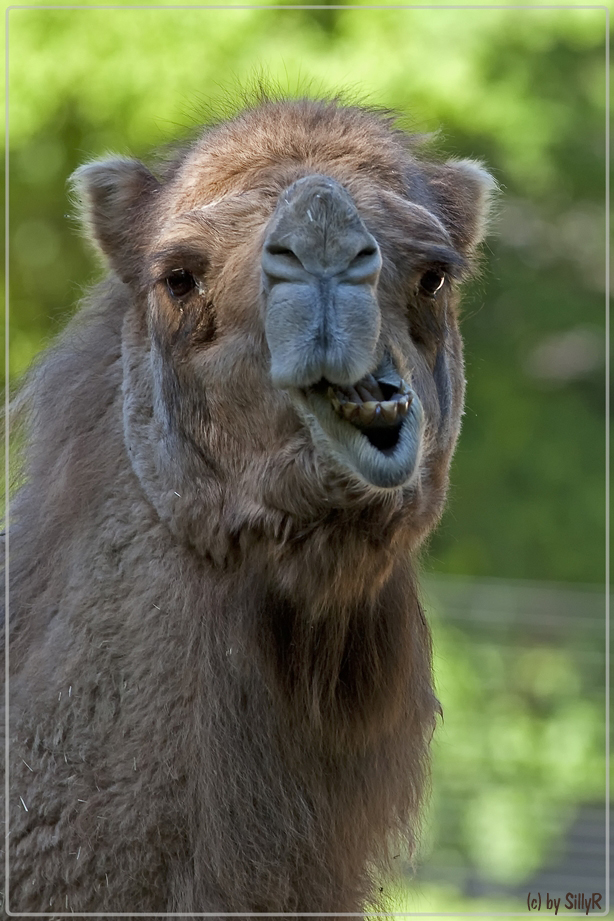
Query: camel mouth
[[375, 407], [374, 427]]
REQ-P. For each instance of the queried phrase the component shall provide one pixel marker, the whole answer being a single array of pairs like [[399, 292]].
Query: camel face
[[305, 328], [300, 269]]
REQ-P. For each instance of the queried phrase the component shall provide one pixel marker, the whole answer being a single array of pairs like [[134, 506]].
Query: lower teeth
[[352, 403], [385, 412]]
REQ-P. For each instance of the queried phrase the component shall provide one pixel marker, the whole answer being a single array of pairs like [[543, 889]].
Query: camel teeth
[[389, 410], [403, 387], [368, 412], [404, 405], [350, 410]]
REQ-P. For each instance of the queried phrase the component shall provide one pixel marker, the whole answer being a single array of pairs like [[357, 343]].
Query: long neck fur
[[293, 734]]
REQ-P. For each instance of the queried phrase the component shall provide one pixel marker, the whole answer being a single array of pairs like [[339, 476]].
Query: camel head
[[291, 340]]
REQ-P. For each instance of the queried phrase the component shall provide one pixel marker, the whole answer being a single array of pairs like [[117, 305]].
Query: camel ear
[[113, 196], [464, 192]]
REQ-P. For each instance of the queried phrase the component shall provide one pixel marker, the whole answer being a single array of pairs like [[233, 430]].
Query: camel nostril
[[367, 256], [276, 250], [364, 267], [281, 263], [352, 262], [366, 253]]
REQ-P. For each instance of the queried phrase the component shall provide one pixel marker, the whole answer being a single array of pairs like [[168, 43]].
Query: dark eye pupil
[[432, 281], [180, 283]]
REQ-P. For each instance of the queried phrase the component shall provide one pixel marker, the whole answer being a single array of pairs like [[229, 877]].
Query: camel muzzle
[[320, 267]]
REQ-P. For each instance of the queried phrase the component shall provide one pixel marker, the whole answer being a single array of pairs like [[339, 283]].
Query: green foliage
[[444, 899], [522, 740]]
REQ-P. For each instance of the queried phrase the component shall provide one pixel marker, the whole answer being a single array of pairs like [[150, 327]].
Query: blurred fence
[[519, 779]]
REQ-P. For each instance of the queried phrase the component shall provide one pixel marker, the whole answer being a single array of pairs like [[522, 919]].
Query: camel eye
[[180, 283], [432, 281]]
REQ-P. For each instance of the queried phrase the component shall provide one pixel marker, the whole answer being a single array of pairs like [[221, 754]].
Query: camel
[[221, 694]]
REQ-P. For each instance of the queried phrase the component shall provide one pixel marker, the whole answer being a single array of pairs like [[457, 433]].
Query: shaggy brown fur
[[220, 691]]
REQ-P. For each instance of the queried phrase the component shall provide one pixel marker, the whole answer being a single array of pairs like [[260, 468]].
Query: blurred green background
[[520, 755]]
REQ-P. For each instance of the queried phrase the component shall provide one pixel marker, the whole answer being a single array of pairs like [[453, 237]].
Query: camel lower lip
[[382, 450]]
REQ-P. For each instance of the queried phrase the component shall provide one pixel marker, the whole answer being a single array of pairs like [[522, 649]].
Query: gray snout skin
[[320, 267]]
